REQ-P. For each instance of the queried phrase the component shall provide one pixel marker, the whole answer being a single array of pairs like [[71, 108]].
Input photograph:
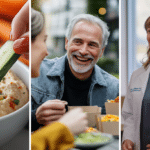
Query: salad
[[90, 136]]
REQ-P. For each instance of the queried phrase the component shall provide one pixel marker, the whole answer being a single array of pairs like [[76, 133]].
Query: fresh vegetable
[[7, 58], [9, 8], [13, 103], [16, 101], [25, 61], [5, 28]]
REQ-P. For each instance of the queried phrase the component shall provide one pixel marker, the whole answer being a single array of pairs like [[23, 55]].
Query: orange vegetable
[[25, 61], [9, 8], [5, 28], [12, 105]]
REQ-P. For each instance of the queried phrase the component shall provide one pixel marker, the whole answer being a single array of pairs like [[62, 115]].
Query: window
[[138, 12]]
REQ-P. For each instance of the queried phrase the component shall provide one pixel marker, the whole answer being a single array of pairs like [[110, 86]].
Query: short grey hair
[[92, 19], [37, 23]]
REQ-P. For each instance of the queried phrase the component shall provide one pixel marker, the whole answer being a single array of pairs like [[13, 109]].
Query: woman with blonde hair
[[136, 107], [147, 28]]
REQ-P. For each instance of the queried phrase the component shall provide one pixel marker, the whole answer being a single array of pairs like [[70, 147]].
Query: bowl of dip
[[13, 122]]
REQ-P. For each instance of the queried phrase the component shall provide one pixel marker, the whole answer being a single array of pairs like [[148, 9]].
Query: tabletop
[[21, 142]]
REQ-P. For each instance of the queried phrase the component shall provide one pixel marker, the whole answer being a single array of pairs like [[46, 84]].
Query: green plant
[[109, 65]]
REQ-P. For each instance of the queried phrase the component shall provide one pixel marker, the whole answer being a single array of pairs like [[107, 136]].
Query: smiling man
[[84, 48], [75, 77]]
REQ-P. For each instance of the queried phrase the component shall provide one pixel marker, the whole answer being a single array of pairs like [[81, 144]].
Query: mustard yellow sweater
[[55, 136]]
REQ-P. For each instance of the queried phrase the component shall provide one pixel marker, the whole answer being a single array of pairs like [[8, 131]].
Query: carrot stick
[[5, 28], [11, 7], [25, 61]]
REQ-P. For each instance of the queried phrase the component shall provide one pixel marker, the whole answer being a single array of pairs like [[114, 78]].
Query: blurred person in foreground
[[74, 77], [136, 107], [57, 135]]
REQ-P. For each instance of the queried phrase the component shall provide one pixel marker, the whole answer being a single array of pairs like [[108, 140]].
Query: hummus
[[13, 94]]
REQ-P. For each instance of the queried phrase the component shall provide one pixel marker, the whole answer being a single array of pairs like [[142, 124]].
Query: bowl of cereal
[[14, 101]]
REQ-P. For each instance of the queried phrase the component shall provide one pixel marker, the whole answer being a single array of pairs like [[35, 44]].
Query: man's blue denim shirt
[[50, 84]]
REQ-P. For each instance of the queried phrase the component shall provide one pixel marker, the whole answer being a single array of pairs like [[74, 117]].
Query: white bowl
[[12, 123]]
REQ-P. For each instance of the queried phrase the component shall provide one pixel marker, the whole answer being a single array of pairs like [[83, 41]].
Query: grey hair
[[92, 19], [37, 23]]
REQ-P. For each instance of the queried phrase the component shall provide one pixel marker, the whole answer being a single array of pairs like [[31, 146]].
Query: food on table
[[91, 138], [90, 129], [13, 94], [116, 100], [110, 118]]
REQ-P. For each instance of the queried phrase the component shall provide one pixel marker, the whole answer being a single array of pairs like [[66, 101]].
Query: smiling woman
[[51, 113], [136, 107], [147, 28], [38, 46]]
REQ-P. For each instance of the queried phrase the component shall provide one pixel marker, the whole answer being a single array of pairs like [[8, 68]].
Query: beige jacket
[[131, 112]]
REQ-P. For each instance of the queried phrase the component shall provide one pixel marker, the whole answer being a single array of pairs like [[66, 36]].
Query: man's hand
[[127, 145], [50, 111], [148, 146]]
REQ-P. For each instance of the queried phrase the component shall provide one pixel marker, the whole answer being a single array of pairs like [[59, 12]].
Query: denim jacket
[[50, 84]]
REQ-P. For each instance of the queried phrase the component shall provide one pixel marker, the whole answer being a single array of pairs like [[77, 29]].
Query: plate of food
[[92, 139]]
